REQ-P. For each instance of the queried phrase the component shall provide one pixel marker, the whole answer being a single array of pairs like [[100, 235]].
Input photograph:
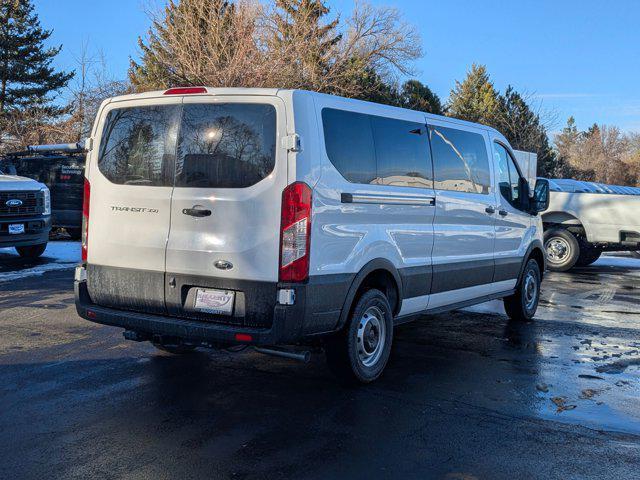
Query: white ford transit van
[[275, 218]]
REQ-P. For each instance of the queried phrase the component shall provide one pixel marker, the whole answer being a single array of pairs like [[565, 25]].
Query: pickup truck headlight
[[47, 201]]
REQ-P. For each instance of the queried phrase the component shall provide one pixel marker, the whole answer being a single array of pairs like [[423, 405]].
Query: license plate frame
[[16, 228], [214, 301]]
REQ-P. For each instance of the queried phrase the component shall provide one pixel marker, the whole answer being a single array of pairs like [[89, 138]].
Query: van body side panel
[[515, 231], [464, 233], [356, 223]]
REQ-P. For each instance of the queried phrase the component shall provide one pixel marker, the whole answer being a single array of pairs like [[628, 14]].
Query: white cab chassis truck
[[285, 218], [25, 215], [585, 219]]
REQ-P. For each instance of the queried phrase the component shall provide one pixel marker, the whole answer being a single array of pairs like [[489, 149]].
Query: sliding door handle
[[490, 210]]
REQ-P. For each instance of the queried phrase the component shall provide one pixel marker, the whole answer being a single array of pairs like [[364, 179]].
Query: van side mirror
[[540, 200]]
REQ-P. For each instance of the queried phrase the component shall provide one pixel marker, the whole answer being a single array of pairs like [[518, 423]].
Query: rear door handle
[[503, 213], [490, 210], [197, 212]]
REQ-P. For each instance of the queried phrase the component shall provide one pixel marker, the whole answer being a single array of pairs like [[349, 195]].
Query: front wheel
[[562, 249], [361, 350], [522, 305], [32, 251]]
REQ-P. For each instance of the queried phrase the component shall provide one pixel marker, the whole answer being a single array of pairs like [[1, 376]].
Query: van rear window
[[138, 145], [196, 145], [228, 145]]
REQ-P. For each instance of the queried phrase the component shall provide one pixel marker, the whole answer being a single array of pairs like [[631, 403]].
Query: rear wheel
[[361, 350], [522, 305], [32, 251], [562, 249]]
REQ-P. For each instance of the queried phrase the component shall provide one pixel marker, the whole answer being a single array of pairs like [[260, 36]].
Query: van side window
[[508, 175], [402, 153], [226, 145], [460, 160], [371, 149], [138, 145]]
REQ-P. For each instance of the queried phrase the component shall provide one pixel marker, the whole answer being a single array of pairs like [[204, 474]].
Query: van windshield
[[228, 145]]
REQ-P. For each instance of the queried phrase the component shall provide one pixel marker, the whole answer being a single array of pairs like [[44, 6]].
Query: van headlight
[[47, 201]]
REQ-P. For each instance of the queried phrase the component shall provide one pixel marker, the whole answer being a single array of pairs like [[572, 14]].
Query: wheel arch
[[535, 251], [378, 273]]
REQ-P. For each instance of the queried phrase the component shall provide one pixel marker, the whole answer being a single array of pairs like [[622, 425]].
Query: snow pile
[[57, 256]]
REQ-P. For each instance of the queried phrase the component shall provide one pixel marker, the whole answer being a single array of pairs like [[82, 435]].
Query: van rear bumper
[[300, 322]]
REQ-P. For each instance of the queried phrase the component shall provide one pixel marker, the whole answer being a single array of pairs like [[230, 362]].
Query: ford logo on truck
[[14, 202]]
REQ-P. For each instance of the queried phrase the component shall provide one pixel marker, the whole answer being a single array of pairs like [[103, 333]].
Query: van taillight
[[295, 232], [85, 219]]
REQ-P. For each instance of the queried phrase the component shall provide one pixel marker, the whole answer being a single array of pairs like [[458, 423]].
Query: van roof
[[279, 91]]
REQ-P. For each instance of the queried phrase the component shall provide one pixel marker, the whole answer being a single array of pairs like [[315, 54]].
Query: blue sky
[[579, 58]]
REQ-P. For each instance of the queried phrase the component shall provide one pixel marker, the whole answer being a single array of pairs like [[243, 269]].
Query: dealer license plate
[[214, 301], [16, 228]]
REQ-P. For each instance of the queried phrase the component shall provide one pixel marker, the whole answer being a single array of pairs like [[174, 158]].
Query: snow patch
[[57, 256]]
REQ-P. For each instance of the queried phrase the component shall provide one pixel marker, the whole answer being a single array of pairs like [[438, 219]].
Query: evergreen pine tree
[[417, 96], [27, 78], [523, 128], [305, 40], [474, 99], [192, 38]]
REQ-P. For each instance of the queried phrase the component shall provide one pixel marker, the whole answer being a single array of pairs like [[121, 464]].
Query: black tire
[[522, 305], [588, 256], [561, 248], [180, 349], [74, 233], [359, 353], [32, 251]]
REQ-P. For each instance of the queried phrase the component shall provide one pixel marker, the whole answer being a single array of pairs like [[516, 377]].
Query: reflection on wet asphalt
[[466, 395]]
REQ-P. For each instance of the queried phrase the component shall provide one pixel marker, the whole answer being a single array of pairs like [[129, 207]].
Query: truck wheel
[[588, 256], [562, 249], [522, 305], [361, 350], [32, 251], [175, 349]]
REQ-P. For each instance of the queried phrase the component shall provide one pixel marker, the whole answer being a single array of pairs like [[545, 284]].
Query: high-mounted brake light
[[185, 91], [295, 232], [85, 219]]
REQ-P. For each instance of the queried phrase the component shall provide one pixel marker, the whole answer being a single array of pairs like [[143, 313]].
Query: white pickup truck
[[585, 219], [25, 215]]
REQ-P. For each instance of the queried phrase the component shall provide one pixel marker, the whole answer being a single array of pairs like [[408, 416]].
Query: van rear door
[[131, 179], [223, 249]]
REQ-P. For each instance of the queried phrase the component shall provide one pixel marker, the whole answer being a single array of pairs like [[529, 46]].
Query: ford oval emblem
[[14, 202], [223, 265]]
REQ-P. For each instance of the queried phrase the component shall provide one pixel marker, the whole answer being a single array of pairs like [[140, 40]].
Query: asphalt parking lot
[[466, 395]]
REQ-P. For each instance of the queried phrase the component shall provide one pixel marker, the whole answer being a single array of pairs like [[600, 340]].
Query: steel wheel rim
[[558, 250], [371, 336], [530, 290]]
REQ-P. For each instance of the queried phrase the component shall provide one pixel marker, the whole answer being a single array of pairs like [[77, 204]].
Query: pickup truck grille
[[32, 203]]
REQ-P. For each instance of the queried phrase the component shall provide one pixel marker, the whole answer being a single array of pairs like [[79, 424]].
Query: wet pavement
[[466, 395]]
